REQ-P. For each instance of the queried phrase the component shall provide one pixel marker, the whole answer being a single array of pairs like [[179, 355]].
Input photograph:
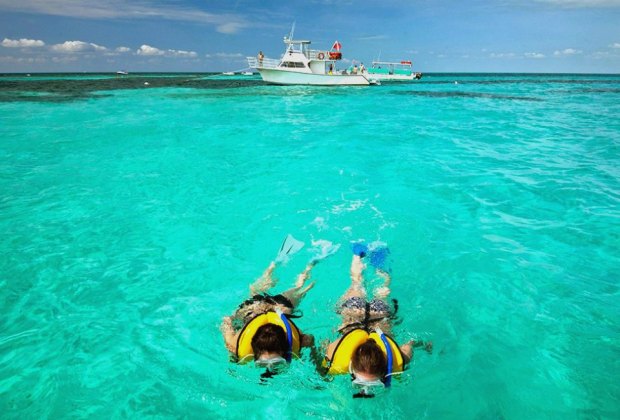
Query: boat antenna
[[290, 36]]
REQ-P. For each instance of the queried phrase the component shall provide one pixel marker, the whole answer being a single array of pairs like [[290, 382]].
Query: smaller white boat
[[247, 73], [122, 73], [393, 71], [228, 73]]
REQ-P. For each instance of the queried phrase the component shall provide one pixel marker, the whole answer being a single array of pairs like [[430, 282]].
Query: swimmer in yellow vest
[[366, 349], [261, 328]]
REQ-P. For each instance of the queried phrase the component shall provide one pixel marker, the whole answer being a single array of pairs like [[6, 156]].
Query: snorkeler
[[366, 350], [261, 328]]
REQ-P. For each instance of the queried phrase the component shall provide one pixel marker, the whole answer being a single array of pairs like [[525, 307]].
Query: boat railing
[[265, 63]]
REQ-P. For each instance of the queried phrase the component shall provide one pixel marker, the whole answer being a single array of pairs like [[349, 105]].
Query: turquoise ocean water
[[134, 216]]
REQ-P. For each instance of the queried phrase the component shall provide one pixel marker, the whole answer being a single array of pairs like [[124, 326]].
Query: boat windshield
[[297, 46]]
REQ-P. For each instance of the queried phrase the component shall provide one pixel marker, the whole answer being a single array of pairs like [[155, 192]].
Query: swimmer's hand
[[428, 346], [307, 340]]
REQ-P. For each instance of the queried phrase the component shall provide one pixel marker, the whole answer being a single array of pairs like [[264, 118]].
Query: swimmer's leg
[[357, 287], [265, 282], [297, 293], [383, 292]]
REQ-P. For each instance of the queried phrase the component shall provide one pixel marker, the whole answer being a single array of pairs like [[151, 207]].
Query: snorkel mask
[[366, 388], [271, 363]]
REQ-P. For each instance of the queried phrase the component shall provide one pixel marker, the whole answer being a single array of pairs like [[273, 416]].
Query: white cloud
[[582, 3], [148, 50], [229, 55], [115, 9], [153, 51], [372, 38], [615, 45], [502, 55], [567, 51], [65, 59], [223, 56], [230, 27], [22, 43], [77, 46], [181, 53], [123, 49], [598, 55], [534, 55], [21, 60]]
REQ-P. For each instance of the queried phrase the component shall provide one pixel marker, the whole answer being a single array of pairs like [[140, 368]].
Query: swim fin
[[359, 248], [379, 252], [289, 247], [323, 249]]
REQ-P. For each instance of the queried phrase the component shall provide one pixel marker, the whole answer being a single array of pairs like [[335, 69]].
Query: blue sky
[[198, 36]]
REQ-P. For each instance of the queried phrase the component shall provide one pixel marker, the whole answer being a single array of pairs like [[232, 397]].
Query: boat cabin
[[298, 57], [385, 67]]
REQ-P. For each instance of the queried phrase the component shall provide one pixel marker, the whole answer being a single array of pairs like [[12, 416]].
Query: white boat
[[392, 71], [299, 65], [247, 73], [229, 73], [122, 73]]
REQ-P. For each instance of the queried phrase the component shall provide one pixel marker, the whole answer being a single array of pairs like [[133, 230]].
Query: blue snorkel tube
[[390, 357], [289, 334]]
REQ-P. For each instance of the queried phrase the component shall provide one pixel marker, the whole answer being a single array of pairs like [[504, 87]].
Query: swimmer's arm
[[407, 351], [331, 348], [307, 340], [407, 348], [317, 354], [228, 332]]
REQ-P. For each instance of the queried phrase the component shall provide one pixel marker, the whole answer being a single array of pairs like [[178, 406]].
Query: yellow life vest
[[244, 342], [351, 341]]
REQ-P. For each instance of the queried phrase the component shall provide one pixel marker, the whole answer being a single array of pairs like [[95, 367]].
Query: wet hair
[[269, 338], [368, 358]]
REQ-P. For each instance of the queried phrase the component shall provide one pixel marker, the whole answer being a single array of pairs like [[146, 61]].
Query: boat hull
[[287, 77], [391, 77]]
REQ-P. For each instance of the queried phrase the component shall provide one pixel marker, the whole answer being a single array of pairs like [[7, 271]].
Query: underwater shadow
[[473, 95]]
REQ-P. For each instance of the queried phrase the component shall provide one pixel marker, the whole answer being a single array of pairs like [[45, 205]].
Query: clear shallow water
[[134, 218]]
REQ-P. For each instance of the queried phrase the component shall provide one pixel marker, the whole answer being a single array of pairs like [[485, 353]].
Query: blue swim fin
[[359, 248], [379, 253], [323, 249], [289, 247]]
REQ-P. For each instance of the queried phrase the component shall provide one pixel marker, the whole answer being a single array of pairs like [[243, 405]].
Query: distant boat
[[299, 65], [392, 71], [247, 73], [122, 73], [229, 73]]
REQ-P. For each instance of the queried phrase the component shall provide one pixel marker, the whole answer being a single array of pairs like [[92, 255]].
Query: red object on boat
[[335, 55], [336, 46], [405, 62]]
